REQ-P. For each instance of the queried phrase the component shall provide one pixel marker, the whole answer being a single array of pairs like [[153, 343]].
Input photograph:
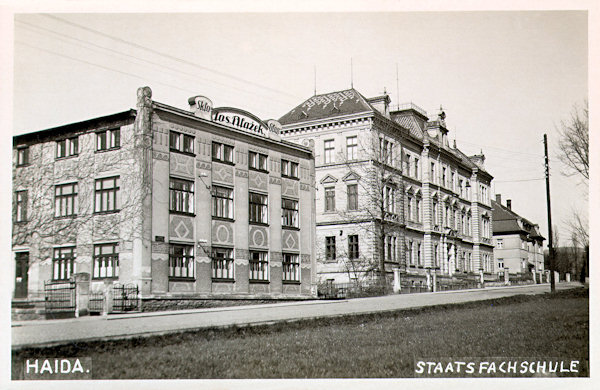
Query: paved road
[[57, 332]]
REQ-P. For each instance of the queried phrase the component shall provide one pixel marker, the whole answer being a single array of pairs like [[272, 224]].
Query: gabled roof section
[[507, 221], [332, 104], [410, 122]]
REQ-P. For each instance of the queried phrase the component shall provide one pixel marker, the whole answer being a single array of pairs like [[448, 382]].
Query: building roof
[[505, 221], [340, 103]]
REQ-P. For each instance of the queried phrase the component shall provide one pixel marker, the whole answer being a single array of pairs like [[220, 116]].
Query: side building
[[392, 192], [518, 242], [185, 204]]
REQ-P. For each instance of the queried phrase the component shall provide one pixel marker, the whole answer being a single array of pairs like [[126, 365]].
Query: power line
[[515, 181], [170, 56], [175, 71]]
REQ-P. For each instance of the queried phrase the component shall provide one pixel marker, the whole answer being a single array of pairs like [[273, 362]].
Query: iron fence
[[125, 297], [96, 302], [59, 298]]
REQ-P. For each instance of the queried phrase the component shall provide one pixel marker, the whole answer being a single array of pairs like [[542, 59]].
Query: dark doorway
[[22, 266]]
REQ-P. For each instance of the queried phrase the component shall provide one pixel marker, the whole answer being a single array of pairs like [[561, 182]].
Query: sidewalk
[[67, 331]]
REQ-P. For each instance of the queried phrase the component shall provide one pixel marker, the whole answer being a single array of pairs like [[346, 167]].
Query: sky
[[504, 78]]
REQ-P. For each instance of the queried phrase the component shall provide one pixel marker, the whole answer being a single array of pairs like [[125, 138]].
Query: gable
[[328, 179], [351, 176]]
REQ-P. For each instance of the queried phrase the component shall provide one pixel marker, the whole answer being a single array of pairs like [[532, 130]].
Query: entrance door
[[22, 266]]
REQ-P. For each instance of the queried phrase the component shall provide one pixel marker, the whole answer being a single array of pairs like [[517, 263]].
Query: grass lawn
[[375, 345]]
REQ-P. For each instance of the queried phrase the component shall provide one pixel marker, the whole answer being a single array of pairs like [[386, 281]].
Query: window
[[181, 199], [289, 213], [181, 143], [407, 164], [500, 243], [257, 161], [108, 139], [259, 266], [389, 199], [291, 267], [452, 181], [222, 153], [63, 263], [461, 188], [444, 177], [330, 248], [416, 168], [352, 148], [409, 208], [410, 252], [67, 147], [386, 148], [181, 261], [434, 214], [107, 191], [222, 263], [22, 156], [65, 200], [289, 169], [437, 256], [352, 246], [418, 211], [222, 199], [352, 191], [258, 208], [106, 261], [501, 264], [419, 255], [21, 206], [329, 150], [330, 199], [432, 173]]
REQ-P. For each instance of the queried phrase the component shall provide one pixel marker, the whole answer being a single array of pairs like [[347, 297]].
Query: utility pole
[[550, 243]]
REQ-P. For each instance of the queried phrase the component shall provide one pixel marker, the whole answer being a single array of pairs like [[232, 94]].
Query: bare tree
[[379, 209], [574, 142]]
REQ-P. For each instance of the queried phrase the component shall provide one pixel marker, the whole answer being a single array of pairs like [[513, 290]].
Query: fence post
[[434, 277], [506, 276], [557, 276], [82, 293], [533, 273], [481, 278], [397, 286], [567, 277], [428, 275]]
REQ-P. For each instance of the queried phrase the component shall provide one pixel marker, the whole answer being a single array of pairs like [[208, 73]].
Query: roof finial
[[351, 74]]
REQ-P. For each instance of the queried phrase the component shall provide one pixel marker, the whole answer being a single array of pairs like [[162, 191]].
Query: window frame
[[290, 265], [112, 139], [23, 156], [227, 271], [258, 268], [353, 247], [288, 213], [258, 211], [181, 200], [21, 201], [63, 267], [328, 151], [64, 198], [71, 147], [111, 258], [223, 153], [181, 143], [352, 196], [330, 248], [290, 169], [255, 159], [102, 191], [181, 261], [352, 148], [329, 199], [227, 203]]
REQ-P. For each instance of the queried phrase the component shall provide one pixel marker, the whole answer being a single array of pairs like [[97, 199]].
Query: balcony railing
[[411, 106]]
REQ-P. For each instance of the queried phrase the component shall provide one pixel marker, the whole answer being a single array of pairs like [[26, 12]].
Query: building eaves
[[75, 127]]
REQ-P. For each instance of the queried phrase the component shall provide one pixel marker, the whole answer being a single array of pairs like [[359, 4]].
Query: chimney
[[508, 204], [381, 104], [499, 198]]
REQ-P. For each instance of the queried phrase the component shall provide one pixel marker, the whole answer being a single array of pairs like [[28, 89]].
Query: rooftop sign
[[234, 117]]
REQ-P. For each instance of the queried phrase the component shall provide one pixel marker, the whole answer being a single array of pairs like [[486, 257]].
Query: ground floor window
[[106, 261], [259, 266], [291, 267], [63, 263], [181, 261], [222, 263]]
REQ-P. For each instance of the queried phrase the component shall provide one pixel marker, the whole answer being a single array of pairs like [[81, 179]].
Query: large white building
[[392, 190]]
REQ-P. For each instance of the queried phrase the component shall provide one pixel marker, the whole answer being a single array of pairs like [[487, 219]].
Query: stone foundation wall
[[164, 304]]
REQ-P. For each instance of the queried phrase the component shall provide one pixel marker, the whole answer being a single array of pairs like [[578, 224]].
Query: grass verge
[[359, 346]]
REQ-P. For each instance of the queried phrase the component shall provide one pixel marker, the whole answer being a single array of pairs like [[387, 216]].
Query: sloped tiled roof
[[504, 220], [410, 122], [332, 104]]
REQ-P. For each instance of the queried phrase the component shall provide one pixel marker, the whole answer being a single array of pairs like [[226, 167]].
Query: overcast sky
[[503, 78]]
